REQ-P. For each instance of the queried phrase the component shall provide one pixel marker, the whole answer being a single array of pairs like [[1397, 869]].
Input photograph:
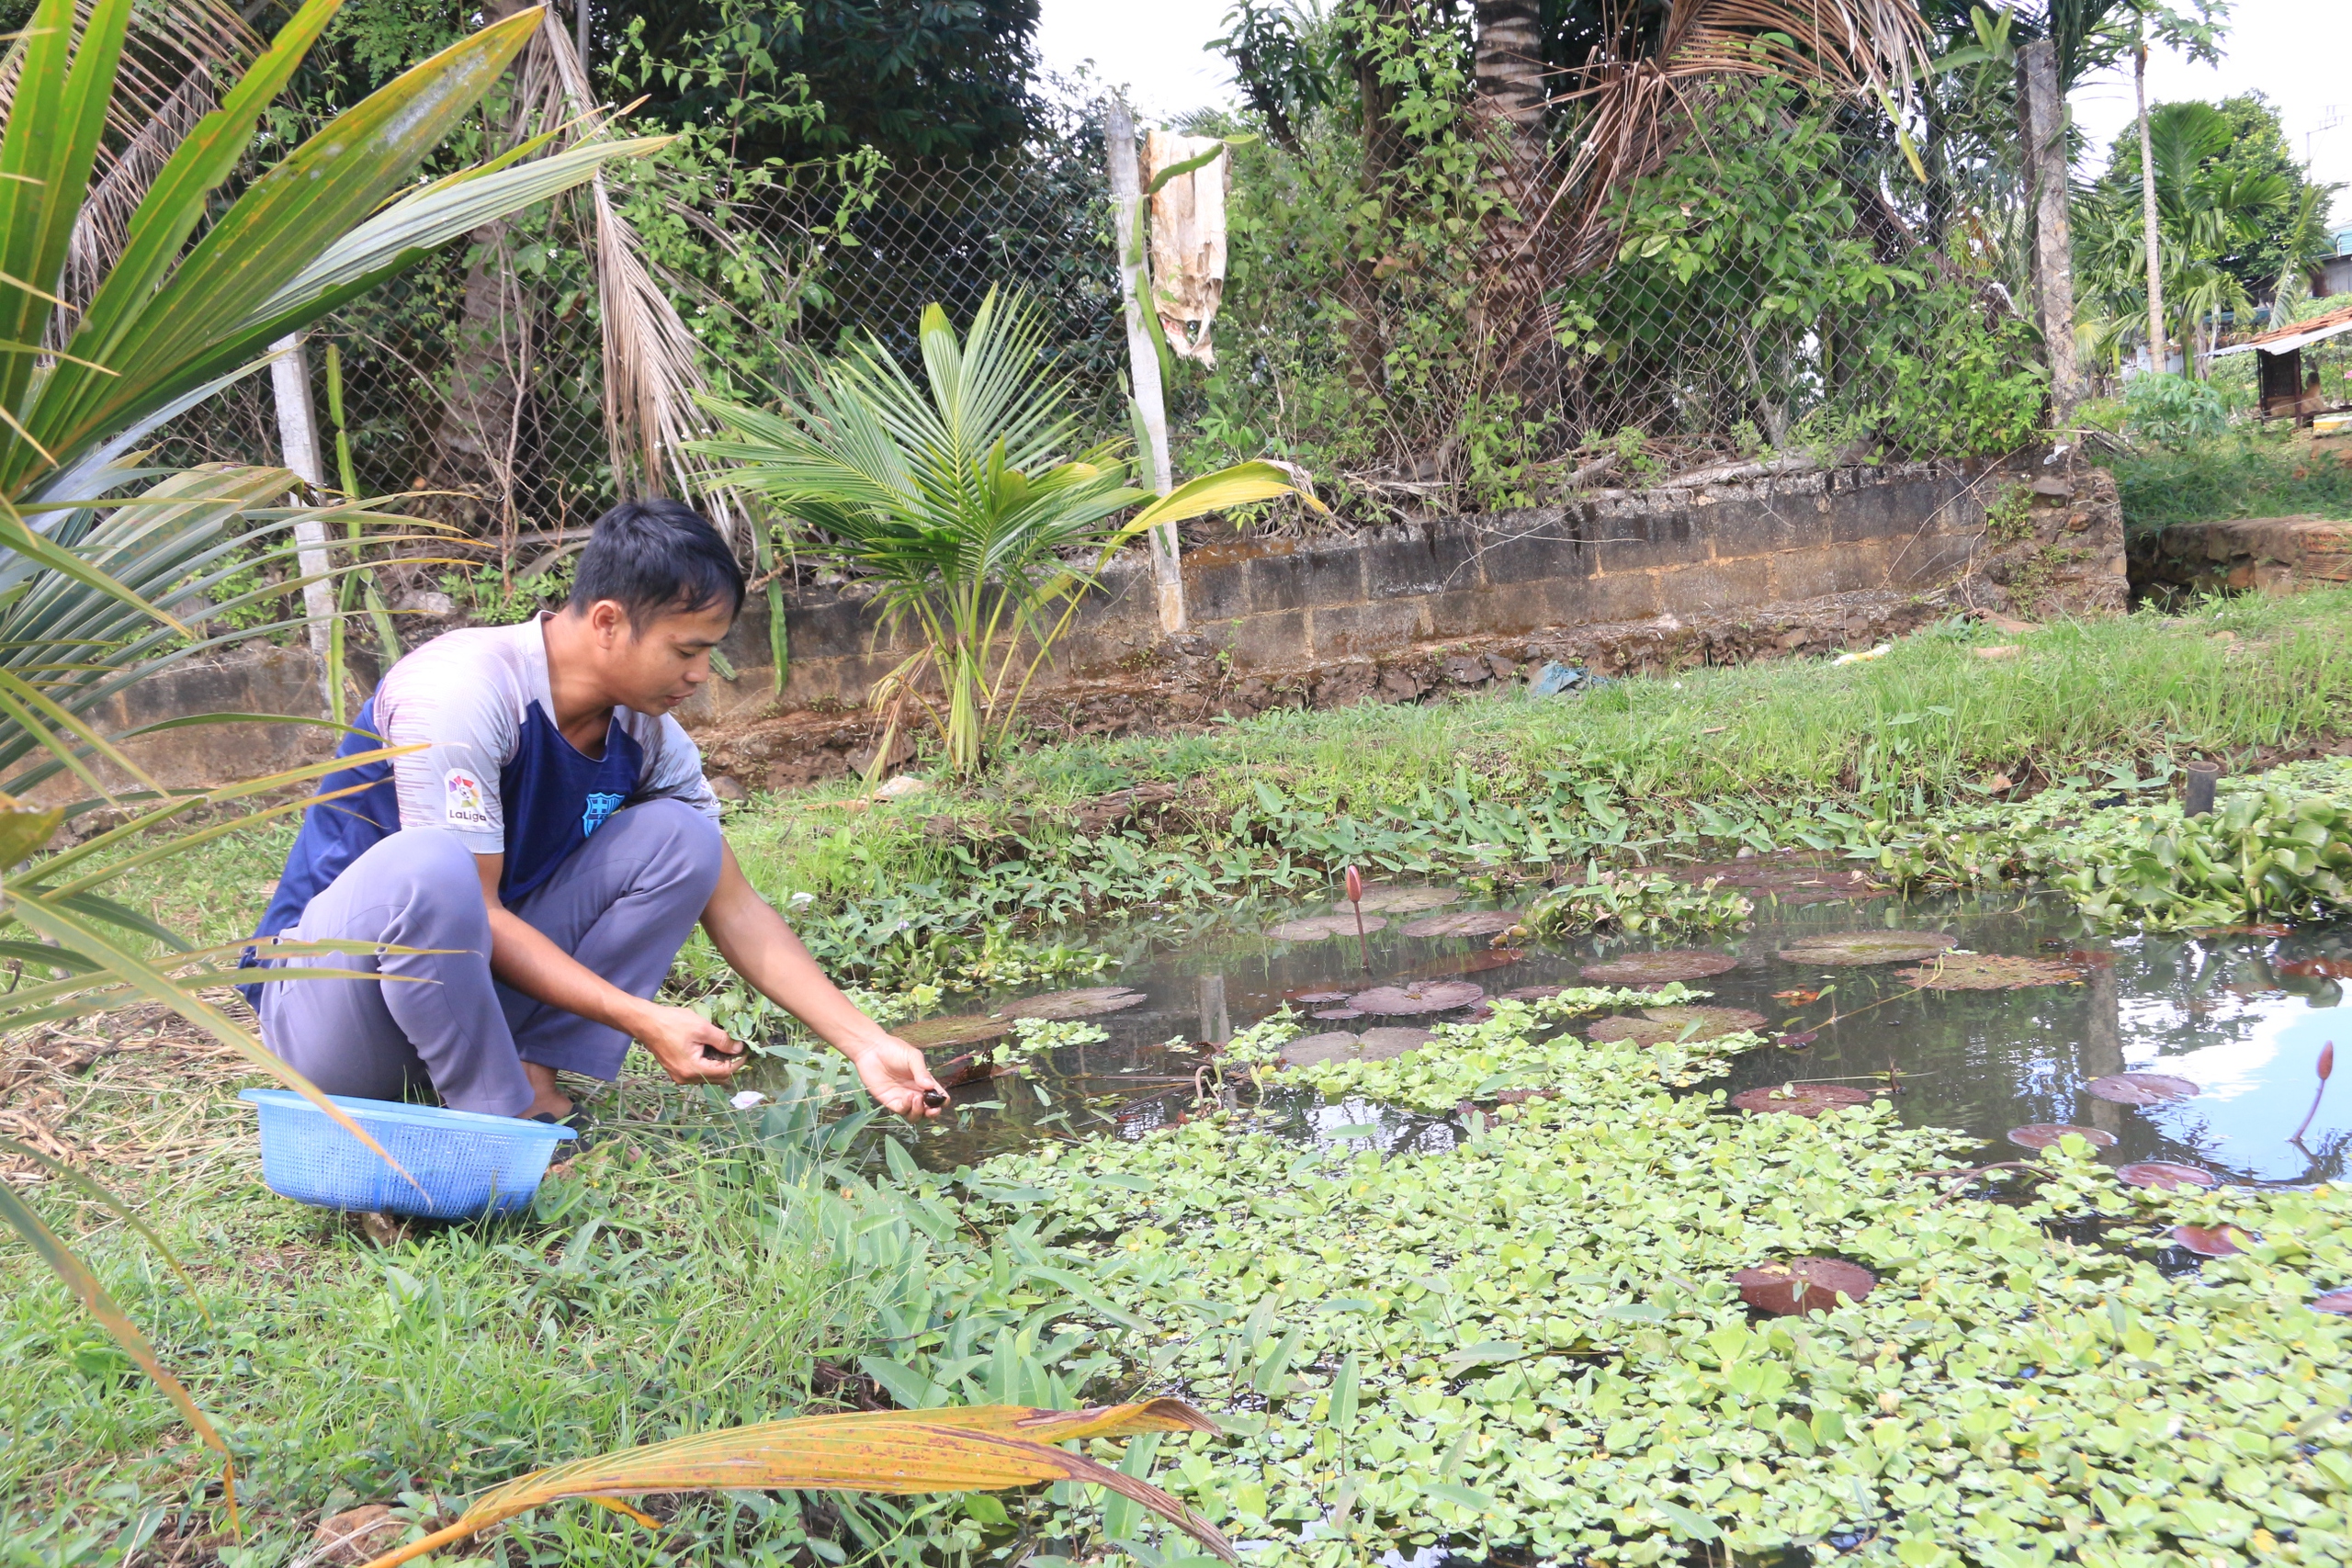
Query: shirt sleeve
[[673, 770], [469, 736]]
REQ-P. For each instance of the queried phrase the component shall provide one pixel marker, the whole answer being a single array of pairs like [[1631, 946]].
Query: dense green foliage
[[2248, 155]]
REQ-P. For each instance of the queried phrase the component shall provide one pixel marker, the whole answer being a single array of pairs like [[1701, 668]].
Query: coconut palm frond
[[172, 52]]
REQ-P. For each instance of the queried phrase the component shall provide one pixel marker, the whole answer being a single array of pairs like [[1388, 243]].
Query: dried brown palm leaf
[[897, 1452], [1629, 92], [651, 375]]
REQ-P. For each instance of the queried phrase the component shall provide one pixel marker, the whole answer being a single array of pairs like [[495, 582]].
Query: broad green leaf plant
[[97, 541], [960, 500]]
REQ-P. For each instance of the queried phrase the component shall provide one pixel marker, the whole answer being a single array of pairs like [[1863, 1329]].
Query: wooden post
[[298, 442], [1143, 357], [2041, 114]]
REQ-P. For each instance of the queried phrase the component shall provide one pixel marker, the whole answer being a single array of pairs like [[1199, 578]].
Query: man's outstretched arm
[[690, 1047], [758, 946]]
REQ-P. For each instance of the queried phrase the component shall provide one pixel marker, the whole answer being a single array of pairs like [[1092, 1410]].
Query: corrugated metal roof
[[2295, 334]]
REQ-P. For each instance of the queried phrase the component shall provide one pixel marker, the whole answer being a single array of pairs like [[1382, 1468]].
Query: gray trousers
[[623, 905]]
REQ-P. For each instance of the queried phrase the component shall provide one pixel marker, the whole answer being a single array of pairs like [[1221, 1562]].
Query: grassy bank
[[2240, 475], [1791, 753]]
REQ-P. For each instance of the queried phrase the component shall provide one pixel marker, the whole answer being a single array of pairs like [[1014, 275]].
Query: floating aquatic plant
[[2140, 1089], [1657, 969], [1989, 972]]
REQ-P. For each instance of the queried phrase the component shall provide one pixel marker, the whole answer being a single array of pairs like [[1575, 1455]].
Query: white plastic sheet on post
[[1187, 240]]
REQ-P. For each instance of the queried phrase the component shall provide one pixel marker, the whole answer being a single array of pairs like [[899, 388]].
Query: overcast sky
[[2297, 52]]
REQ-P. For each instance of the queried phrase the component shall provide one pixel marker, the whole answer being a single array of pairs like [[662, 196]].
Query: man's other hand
[[894, 1074], [690, 1047]]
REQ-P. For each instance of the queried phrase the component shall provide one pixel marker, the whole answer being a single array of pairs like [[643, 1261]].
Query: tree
[[2221, 218], [2254, 155], [910, 78]]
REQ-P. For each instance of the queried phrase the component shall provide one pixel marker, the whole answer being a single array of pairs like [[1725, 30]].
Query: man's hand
[[690, 1047], [894, 1074]]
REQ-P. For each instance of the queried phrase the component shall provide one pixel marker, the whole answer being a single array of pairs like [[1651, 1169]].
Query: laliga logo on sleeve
[[462, 805]]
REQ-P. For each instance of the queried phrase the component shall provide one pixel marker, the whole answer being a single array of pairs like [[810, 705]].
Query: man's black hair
[[657, 558]]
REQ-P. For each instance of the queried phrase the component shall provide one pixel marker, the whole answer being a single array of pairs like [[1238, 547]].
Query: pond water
[[2241, 1014]]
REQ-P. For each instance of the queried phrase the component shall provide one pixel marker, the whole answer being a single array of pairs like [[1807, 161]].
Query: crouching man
[[550, 848]]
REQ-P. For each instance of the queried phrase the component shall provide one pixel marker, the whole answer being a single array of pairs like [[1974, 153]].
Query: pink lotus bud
[[1355, 885], [2326, 1060]]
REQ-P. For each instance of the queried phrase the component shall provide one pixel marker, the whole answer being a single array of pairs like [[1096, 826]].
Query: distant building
[[2334, 275]]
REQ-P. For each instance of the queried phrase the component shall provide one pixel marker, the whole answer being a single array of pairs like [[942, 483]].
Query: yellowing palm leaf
[[899, 1453], [1237, 486]]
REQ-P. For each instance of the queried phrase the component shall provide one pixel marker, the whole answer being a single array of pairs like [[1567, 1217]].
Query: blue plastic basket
[[465, 1163]]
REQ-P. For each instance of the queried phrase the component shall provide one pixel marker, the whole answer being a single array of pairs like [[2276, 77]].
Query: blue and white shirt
[[494, 770]]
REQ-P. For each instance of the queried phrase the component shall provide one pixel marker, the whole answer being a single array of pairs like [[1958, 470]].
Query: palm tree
[[961, 502], [2206, 211]]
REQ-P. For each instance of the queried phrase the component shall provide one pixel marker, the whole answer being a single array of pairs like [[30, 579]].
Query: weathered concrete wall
[[1697, 573], [1281, 606]]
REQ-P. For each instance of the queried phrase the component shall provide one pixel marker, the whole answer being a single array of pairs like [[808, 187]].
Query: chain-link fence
[[1744, 301]]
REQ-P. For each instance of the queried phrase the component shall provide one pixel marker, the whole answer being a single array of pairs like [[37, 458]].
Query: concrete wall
[[1763, 555], [1283, 605]]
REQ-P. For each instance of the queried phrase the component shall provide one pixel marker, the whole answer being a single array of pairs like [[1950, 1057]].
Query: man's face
[[659, 661]]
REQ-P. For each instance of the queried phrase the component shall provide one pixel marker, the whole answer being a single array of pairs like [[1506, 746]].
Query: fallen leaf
[[1804, 1285]]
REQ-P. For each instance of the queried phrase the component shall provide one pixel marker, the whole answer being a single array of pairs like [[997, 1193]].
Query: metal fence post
[[298, 443], [1143, 358]]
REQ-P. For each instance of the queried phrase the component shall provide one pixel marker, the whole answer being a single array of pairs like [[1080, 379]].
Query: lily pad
[[1338, 1046], [1060, 1006], [1989, 972], [1803, 1285], [1333, 1046], [1322, 928], [1535, 993], [1465, 923], [1337, 1013], [1384, 1045], [2140, 1089], [1657, 969], [1319, 999], [2336, 1302], [962, 1029], [2211, 1241], [1402, 900], [1659, 1025], [1807, 1099], [2164, 1176], [1840, 948], [2044, 1134], [1420, 997]]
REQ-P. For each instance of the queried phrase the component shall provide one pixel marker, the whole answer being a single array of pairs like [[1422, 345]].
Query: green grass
[[666, 1286], [2239, 475], [1929, 725]]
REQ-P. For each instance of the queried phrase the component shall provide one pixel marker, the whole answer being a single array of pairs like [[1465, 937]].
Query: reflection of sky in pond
[[2223, 1011], [2256, 1088]]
